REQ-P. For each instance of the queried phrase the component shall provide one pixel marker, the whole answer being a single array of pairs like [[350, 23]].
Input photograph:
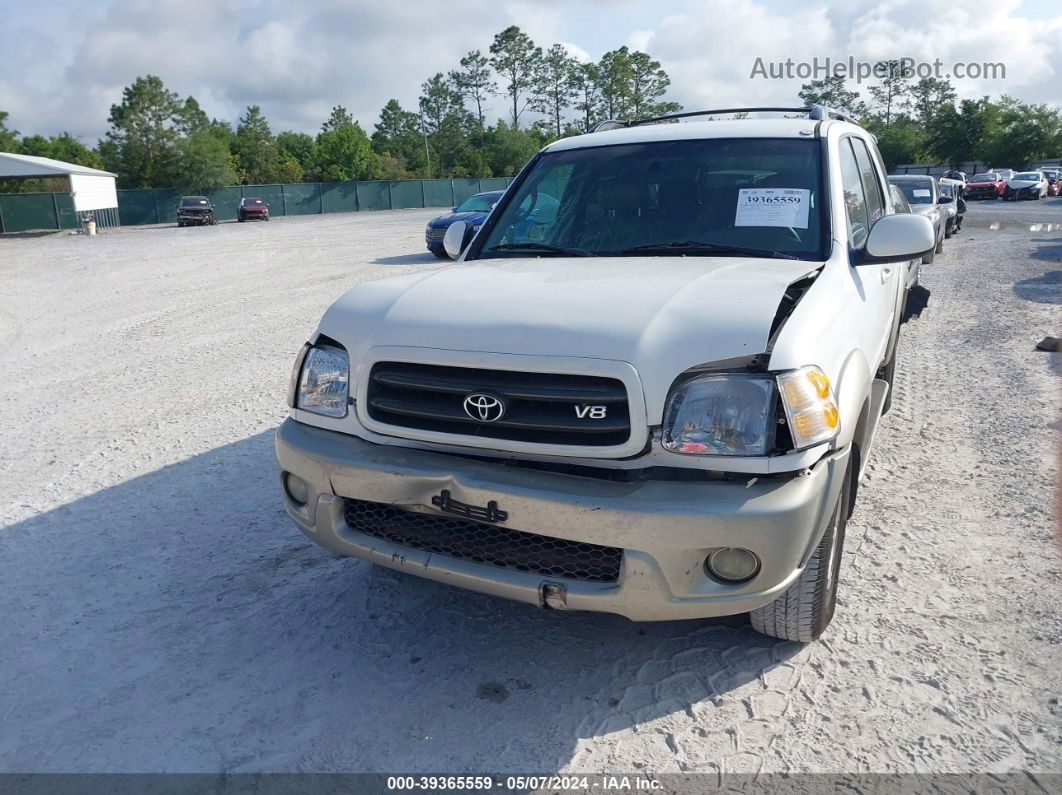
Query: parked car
[[901, 205], [660, 406], [1026, 185], [1054, 180], [923, 194], [252, 209], [472, 210], [958, 176], [955, 209], [195, 211], [985, 186]]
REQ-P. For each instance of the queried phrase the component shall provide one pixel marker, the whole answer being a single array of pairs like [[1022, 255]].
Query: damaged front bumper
[[663, 529]]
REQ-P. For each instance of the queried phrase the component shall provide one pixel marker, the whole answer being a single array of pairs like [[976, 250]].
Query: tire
[[940, 246], [949, 229], [241, 219], [439, 254], [804, 611], [928, 258], [180, 224]]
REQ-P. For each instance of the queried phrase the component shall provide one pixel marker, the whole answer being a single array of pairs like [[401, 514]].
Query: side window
[[854, 201], [871, 183]]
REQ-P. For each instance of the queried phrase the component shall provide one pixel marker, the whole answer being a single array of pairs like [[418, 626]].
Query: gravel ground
[[158, 611]]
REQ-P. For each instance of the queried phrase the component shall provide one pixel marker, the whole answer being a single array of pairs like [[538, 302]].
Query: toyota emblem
[[483, 407]]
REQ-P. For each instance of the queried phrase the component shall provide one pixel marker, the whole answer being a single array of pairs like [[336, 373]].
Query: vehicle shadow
[[917, 300], [179, 622], [423, 258]]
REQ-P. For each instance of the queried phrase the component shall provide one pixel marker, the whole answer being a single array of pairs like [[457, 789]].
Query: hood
[[662, 315], [446, 220], [1023, 183]]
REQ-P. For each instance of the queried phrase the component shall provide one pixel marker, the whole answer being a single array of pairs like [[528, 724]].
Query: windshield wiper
[[543, 247], [687, 246]]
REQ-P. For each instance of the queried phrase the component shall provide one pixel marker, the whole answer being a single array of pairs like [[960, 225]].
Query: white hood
[[1023, 183], [662, 315]]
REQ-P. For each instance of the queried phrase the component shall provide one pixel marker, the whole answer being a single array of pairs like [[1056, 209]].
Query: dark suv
[[195, 211], [252, 208]]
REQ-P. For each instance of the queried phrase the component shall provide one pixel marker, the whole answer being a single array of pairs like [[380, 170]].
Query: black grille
[[485, 543], [539, 407], [437, 234]]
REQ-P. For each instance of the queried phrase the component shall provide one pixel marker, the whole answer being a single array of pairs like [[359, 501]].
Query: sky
[[64, 62]]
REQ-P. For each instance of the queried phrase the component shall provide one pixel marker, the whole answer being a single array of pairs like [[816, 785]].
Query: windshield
[[919, 192], [477, 204], [193, 201], [1032, 176], [716, 197], [252, 201]]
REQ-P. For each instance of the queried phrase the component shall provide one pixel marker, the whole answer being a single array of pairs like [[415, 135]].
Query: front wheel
[[804, 611], [439, 254], [940, 246]]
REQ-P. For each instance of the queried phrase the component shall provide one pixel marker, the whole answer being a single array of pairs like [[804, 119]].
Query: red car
[[985, 186], [252, 209]]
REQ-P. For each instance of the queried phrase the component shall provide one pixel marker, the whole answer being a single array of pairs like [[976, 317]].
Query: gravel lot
[[159, 612]]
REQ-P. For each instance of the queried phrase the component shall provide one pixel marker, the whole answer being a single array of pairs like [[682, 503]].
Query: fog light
[[732, 564], [296, 488]]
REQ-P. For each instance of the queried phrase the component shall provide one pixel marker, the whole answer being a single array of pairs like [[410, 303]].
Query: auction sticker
[[773, 207]]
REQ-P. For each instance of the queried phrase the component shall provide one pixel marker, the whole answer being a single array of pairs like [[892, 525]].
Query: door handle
[[885, 274]]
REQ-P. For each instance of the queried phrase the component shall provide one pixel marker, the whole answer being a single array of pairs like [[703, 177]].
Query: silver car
[[923, 194]]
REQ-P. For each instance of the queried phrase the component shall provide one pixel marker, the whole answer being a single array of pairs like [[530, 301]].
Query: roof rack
[[814, 112]]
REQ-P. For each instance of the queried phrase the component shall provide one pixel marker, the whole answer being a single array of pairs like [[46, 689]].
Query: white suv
[[648, 386]]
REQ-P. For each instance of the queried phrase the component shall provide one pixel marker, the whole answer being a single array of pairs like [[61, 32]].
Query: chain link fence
[[24, 212]]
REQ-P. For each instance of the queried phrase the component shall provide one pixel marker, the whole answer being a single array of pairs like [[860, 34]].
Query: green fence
[[22, 212]]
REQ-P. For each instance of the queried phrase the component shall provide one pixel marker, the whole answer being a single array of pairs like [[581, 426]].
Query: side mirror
[[453, 209], [896, 238], [457, 238], [944, 200]]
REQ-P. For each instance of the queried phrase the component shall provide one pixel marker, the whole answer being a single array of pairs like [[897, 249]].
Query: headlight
[[728, 414], [734, 413], [323, 382], [810, 408]]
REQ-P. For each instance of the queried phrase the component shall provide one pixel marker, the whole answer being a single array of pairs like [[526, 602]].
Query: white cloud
[[296, 60]]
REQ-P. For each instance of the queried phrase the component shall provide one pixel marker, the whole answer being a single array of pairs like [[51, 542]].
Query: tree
[[648, 83], [904, 141], [445, 122], [556, 85], [956, 135], [204, 161], [1024, 132], [398, 135], [889, 93], [516, 58], [256, 148], [475, 84], [587, 78], [297, 147], [141, 146], [926, 97], [831, 91], [509, 148], [614, 76], [8, 138], [343, 149], [63, 147]]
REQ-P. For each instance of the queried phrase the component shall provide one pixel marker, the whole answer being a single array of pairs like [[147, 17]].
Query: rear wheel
[[804, 611], [940, 246]]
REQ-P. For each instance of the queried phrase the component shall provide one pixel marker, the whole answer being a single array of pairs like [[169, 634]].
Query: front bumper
[[665, 528]]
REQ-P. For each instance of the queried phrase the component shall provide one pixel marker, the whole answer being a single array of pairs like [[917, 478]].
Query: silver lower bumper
[[665, 528]]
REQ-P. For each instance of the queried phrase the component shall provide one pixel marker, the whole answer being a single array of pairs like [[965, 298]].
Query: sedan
[[473, 211], [1026, 185], [923, 194], [985, 186]]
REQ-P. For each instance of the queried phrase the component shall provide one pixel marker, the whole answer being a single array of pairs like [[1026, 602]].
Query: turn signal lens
[[810, 407]]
